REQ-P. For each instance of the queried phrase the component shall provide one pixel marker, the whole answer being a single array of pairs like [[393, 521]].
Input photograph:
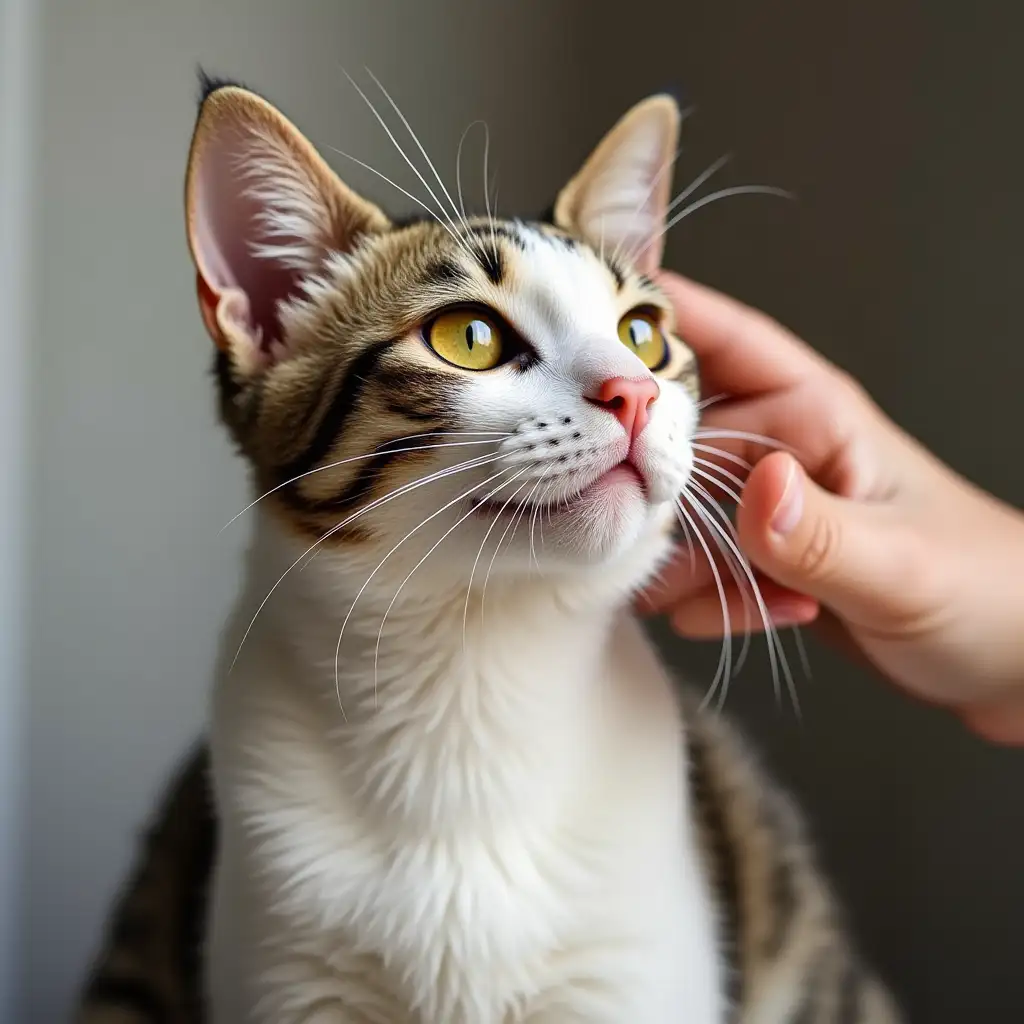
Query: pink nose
[[629, 400]]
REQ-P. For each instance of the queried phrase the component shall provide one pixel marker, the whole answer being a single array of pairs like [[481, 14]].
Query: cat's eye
[[640, 331], [466, 338]]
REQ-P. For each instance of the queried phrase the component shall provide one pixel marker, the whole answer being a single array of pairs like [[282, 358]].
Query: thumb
[[845, 553]]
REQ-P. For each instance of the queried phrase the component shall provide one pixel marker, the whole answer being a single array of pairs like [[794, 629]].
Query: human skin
[[853, 525]]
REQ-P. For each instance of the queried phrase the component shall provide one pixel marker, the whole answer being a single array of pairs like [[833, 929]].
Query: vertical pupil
[[477, 333], [639, 332]]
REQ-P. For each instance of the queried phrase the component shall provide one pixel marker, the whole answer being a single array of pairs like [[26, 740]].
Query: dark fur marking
[[133, 994], [134, 929], [547, 216], [209, 84], [447, 272], [724, 868], [784, 902], [616, 272], [361, 486], [567, 242], [239, 403], [412, 412], [225, 377], [689, 377], [196, 882], [489, 257], [490, 233], [418, 392], [411, 220], [341, 406]]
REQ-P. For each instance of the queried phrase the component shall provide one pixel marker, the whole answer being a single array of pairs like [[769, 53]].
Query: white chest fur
[[499, 831]]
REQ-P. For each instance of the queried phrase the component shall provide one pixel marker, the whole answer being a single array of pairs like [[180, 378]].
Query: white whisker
[[776, 652], [669, 163], [721, 470], [709, 449], [366, 583], [725, 657], [718, 483], [458, 168], [360, 458], [742, 435], [419, 145], [497, 549], [734, 566], [452, 230], [709, 172], [405, 192], [430, 551], [725, 193], [711, 400], [688, 191], [476, 561], [404, 489]]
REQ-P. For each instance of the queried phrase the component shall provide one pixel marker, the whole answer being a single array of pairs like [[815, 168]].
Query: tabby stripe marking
[[490, 233], [490, 258], [784, 898], [341, 407], [370, 473], [725, 868]]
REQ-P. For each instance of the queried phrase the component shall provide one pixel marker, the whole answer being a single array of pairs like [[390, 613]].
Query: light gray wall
[[897, 134], [17, 108]]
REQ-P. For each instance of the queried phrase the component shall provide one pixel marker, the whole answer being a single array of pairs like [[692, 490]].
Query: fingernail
[[791, 505]]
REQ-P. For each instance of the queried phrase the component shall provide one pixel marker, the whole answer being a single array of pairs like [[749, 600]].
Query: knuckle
[[851, 389], [820, 554]]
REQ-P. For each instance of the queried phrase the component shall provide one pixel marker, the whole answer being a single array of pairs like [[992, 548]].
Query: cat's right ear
[[263, 211]]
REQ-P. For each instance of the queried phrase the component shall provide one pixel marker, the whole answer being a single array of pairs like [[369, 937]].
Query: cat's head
[[488, 381]]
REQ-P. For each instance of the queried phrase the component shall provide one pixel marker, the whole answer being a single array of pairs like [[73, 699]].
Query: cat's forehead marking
[[540, 278]]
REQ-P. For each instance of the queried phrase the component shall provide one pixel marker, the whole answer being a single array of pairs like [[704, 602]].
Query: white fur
[[496, 827]]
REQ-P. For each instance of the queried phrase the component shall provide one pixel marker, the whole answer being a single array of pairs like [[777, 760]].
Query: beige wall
[[896, 135]]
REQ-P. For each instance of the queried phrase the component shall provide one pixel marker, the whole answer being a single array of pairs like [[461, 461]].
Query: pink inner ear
[[227, 227]]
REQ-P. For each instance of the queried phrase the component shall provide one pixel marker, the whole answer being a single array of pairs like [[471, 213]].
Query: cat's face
[[501, 395]]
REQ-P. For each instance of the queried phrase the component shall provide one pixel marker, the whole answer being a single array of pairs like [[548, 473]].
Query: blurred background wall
[[896, 127]]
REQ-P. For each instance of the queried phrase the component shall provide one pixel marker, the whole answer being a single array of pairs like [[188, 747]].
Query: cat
[[452, 782]]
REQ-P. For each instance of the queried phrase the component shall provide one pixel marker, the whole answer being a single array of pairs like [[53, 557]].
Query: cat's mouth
[[623, 475]]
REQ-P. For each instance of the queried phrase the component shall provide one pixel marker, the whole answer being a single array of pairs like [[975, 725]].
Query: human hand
[[915, 568]]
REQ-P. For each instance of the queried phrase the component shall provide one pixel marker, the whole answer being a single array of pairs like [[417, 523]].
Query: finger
[[1001, 722], [853, 556], [700, 617], [739, 348], [819, 422]]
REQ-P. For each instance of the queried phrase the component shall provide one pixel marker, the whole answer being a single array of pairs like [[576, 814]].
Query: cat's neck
[[449, 709]]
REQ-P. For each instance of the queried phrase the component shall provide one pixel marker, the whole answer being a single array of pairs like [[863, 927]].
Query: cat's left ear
[[618, 200]]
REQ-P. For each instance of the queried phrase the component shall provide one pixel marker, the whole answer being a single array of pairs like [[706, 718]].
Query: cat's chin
[[610, 524]]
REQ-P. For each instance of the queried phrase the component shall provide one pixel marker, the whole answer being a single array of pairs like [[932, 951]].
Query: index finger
[[739, 349]]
